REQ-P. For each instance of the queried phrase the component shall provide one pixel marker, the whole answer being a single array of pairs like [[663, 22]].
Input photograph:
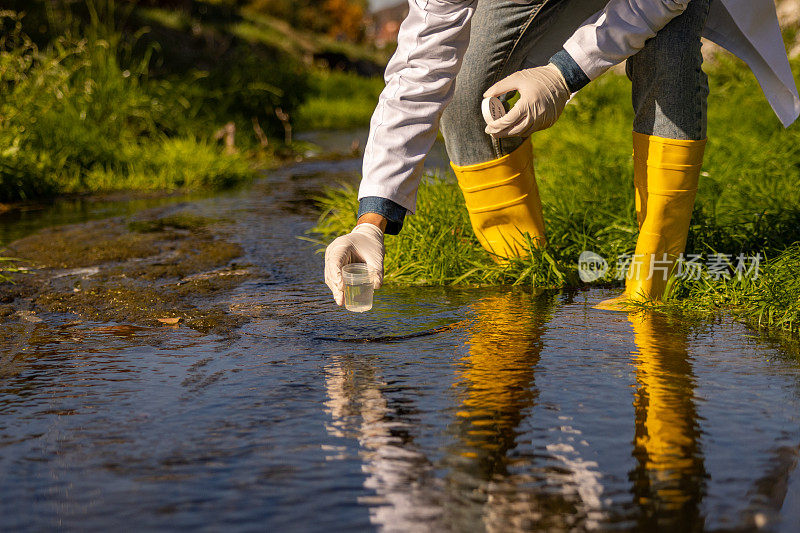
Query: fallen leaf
[[122, 330], [169, 321]]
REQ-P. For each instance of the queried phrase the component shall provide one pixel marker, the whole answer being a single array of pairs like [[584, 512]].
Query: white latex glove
[[362, 245], [543, 93]]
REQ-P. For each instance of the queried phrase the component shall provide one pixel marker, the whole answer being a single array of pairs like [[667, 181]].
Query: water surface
[[507, 412]]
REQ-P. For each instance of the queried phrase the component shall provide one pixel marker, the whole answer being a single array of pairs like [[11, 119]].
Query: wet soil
[[164, 266]]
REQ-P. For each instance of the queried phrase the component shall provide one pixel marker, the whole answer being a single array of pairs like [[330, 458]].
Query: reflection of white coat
[[434, 36]]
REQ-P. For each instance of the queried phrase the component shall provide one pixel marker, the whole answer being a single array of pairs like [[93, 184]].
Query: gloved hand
[[543, 93], [362, 245]]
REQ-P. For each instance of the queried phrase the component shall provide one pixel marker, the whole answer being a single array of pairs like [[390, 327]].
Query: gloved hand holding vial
[[354, 266]]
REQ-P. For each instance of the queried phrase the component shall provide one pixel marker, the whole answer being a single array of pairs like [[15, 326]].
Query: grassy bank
[[748, 203], [338, 100], [81, 113], [98, 95]]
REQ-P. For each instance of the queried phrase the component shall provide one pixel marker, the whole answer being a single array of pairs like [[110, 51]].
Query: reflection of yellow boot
[[670, 473], [498, 391], [504, 347], [665, 174], [503, 202]]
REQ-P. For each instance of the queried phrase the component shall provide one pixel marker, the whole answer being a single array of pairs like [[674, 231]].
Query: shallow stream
[[442, 409]]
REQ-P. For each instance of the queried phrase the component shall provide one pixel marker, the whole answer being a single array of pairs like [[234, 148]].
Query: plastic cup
[[358, 287]]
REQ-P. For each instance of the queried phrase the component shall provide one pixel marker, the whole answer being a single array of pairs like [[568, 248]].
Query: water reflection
[[488, 481], [669, 479], [498, 375], [398, 474], [533, 413], [503, 465]]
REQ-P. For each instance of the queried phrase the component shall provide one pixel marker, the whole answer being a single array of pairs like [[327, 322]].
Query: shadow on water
[[442, 409]]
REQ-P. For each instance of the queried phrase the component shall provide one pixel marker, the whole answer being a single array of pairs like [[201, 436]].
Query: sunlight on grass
[[75, 120], [338, 100]]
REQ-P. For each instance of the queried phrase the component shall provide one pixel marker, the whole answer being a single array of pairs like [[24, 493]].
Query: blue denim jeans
[[668, 85]]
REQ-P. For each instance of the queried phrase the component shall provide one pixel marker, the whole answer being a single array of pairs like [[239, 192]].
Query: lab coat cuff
[[394, 213], [575, 77], [592, 65]]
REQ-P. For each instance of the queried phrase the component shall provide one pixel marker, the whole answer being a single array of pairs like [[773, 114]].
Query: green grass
[[437, 246], [748, 202], [262, 27], [338, 100], [770, 300], [109, 96], [320, 98], [78, 116], [177, 163]]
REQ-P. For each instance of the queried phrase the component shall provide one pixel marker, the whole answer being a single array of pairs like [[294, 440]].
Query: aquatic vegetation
[[7, 267], [748, 203], [182, 220]]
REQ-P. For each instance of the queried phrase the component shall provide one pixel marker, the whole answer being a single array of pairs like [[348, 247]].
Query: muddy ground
[[164, 267]]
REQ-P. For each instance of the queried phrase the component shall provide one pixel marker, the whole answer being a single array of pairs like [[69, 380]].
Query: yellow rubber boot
[[503, 202], [666, 173]]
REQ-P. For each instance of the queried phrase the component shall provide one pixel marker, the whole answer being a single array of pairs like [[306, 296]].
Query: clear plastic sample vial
[[358, 287]]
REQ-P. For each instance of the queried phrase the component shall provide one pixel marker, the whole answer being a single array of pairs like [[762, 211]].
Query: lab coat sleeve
[[619, 31], [419, 84]]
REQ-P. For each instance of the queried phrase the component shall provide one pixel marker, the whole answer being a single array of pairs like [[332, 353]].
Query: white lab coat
[[435, 34]]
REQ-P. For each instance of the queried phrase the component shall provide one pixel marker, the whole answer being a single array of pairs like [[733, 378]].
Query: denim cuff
[[394, 213], [573, 74]]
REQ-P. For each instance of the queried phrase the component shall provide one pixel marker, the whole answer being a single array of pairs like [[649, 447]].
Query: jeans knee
[[462, 125], [669, 87], [464, 110]]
